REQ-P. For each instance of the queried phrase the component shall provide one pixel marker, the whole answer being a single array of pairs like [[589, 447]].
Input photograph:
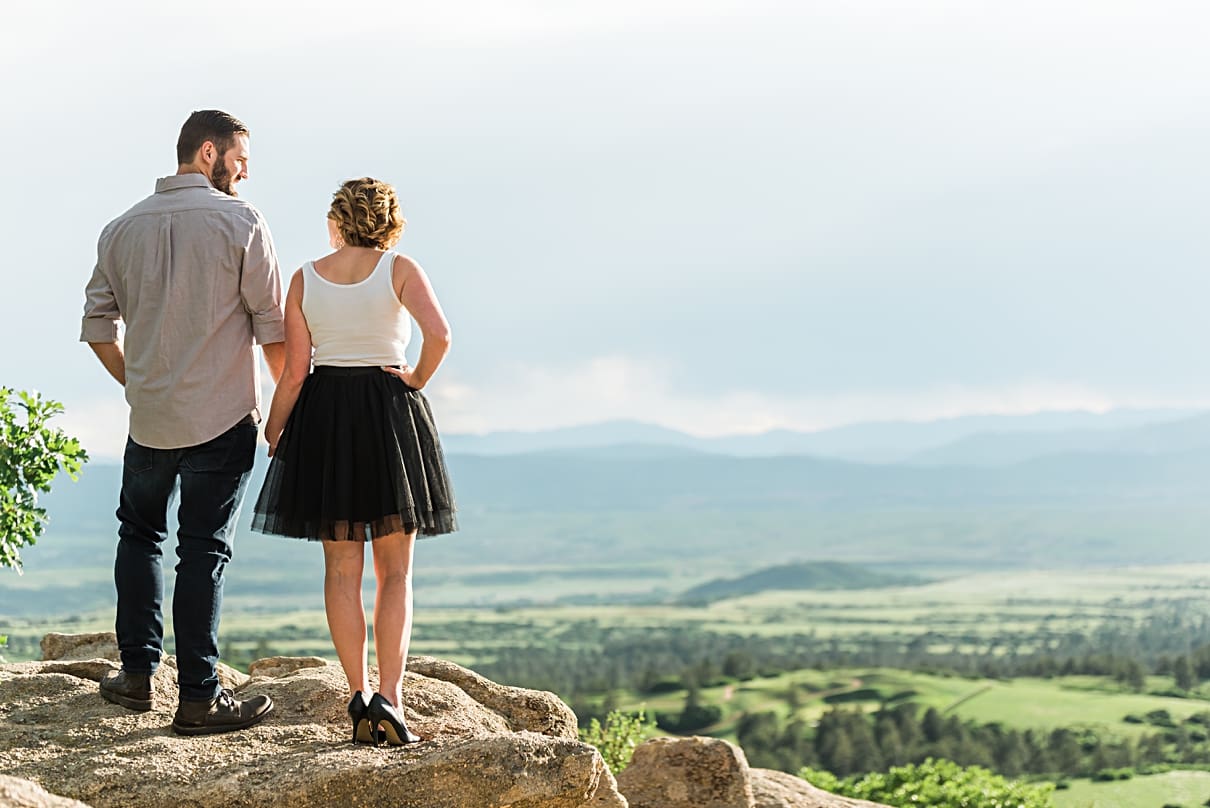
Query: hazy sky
[[717, 216]]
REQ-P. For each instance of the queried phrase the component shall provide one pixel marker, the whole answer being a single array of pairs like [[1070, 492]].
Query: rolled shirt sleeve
[[101, 314], [260, 286]]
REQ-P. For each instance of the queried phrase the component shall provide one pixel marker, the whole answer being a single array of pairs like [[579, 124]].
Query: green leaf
[[31, 455]]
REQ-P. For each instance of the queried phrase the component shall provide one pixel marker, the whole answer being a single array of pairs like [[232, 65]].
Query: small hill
[[1004, 448], [802, 575]]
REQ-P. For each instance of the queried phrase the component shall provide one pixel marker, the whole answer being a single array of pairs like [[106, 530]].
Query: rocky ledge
[[711, 773], [485, 745]]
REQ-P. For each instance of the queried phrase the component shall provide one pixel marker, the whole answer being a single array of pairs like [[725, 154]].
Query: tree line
[[587, 659], [847, 742]]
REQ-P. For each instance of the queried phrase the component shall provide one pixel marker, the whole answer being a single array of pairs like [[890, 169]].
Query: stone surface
[[774, 789], [80, 646], [18, 793], [282, 665], [479, 748], [607, 794], [687, 773], [91, 656], [533, 710]]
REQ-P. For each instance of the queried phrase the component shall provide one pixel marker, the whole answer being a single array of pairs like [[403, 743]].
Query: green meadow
[[1188, 789], [990, 615], [997, 613]]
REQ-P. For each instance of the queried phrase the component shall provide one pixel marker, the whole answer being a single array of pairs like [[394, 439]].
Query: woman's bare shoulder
[[404, 264]]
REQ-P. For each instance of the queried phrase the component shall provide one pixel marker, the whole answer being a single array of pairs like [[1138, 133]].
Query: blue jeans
[[213, 478]]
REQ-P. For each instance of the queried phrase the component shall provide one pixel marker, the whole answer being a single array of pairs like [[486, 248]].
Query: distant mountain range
[[1005, 448], [1039, 491], [817, 575], [971, 440]]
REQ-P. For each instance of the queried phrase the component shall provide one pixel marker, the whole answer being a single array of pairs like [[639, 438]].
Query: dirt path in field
[[853, 684], [956, 703]]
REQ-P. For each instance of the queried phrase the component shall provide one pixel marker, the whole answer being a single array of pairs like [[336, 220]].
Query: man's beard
[[222, 179]]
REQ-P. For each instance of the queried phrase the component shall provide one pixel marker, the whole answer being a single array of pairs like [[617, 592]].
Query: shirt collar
[[182, 181]]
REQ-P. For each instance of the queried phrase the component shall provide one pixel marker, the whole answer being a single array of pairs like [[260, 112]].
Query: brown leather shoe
[[131, 690], [224, 713]]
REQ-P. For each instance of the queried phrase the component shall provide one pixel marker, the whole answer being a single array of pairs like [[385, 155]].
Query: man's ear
[[208, 153]]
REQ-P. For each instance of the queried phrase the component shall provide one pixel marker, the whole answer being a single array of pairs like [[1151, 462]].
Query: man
[[192, 273]]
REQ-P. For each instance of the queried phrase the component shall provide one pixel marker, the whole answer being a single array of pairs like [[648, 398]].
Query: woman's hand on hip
[[406, 375]]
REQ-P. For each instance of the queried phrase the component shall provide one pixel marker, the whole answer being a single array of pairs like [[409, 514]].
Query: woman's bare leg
[[393, 610], [343, 564]]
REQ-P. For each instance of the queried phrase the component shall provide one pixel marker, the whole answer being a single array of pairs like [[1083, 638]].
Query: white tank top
[[359, 323]]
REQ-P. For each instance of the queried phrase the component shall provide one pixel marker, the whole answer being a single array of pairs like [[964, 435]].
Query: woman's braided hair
[[366, 212]]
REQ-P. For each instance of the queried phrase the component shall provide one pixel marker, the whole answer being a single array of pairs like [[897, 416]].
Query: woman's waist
[[351, 370]]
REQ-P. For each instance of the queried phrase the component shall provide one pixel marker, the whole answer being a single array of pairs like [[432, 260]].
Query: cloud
[[856, 203], [618, 387], [522, 396], [100, 422]]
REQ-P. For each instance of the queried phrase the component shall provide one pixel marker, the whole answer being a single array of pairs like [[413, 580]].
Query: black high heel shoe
[[383, 712], [363, 730]]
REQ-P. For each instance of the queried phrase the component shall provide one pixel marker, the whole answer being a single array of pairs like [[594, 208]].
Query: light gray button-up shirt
[[193, 274]]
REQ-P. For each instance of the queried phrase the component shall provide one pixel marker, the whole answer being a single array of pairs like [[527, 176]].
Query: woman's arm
[[298, 363], [417, 296]]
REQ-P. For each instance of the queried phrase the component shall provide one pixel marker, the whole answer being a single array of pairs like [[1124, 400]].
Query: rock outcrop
[[18, 793], [485, 745], [687, 773], [711, 773], [774, 789]]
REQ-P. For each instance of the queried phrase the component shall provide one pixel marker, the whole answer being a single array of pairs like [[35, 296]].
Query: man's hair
[[207, 124]]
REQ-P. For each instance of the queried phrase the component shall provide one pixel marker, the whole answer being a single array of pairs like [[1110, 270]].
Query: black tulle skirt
[[359, 458]]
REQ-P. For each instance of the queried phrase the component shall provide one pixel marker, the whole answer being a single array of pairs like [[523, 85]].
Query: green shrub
[[31, 454], [619, 736], [860, 694], [937, 784], [667, 685], [1160, 718], [1105, 775], [691, 719], [1202, 717], [821, 779]]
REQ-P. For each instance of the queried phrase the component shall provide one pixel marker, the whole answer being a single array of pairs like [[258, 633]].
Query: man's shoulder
[[117, 224], [243, 207], [238, 209], [200, 200]]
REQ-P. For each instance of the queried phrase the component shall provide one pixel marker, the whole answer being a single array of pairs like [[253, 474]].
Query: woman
[[356, 457]]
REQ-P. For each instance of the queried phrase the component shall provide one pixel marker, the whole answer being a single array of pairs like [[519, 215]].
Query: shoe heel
[[388, 723], [363, 730], [362, 733]]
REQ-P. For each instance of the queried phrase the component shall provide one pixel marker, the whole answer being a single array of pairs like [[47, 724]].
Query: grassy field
[[972, 613], [1188, 789], [981, 612], [1020, 704]]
